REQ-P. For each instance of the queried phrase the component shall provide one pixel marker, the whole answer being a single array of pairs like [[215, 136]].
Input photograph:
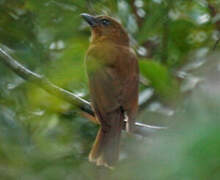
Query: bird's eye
[[105, 22]]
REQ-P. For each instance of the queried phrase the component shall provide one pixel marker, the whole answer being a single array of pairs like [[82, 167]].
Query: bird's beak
[[91, 20]]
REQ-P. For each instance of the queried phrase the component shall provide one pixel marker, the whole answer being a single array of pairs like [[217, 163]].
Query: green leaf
[[162, 81]]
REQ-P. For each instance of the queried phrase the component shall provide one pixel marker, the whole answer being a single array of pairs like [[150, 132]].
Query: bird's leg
[[128, 124]]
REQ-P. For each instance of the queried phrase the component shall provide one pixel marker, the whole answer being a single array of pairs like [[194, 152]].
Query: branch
[[139, 19], [83, 105], [213, 12]]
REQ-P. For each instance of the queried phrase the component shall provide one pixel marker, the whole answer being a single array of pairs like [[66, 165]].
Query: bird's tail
[[105, 150]]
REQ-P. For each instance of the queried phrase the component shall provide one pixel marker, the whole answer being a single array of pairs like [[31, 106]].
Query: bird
[[113, 75]]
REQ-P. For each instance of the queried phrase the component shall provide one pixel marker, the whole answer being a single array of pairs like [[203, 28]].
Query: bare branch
[[44, 83], [213, 12], [216, 44], [83, 105]]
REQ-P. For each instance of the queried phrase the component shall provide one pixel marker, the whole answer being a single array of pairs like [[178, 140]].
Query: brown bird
[[112, 71]]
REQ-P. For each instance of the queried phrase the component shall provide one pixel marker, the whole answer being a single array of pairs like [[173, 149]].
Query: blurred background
[[177, 43]]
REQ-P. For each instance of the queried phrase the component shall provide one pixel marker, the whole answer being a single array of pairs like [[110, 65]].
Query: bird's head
[[105, 28]]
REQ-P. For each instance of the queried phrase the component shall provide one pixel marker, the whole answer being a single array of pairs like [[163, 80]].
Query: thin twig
[[216, 44], [83, 105], [213, 12]]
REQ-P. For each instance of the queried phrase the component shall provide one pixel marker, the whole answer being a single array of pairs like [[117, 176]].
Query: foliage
[[43, 137]]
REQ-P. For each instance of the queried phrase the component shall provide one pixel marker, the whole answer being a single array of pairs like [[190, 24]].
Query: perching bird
[[112, 71]]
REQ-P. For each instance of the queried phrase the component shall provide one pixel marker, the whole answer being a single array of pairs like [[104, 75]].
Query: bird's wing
[[104, 87], [113, 80], [129, 95], [130, 85]]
